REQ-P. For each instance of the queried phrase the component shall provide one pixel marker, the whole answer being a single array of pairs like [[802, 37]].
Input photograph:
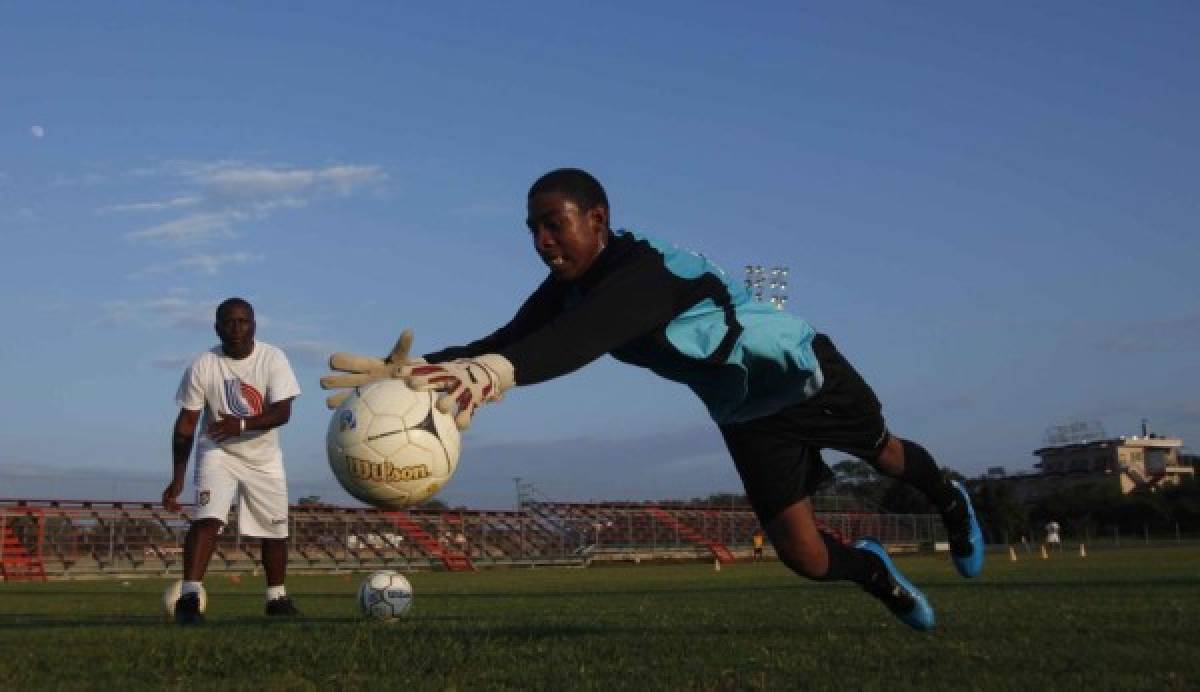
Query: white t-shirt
[[222, 386], [1052, 532]]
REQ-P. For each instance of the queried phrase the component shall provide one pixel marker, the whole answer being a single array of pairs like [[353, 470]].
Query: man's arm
[[538, 309], [182, 437], [274, 415], [630, 302]]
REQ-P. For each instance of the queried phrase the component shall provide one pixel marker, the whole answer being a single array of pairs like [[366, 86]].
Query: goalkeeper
[[778, 390]]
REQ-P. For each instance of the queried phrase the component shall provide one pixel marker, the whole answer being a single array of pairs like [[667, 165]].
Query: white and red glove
[[468, 383], [363, 369]]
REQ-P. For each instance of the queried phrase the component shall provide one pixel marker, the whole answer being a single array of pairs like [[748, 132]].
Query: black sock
[[922, 473], [851, 564]]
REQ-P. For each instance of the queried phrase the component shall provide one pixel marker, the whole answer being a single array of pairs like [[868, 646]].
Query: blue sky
[[991, 208]]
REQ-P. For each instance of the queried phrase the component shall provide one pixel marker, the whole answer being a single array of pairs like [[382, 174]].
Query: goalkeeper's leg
[[816, 554], [912, 464]]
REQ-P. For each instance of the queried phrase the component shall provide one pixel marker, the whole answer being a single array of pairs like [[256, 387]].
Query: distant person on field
[[244, 389], [778, 391], [1052, 538], [757, 540]]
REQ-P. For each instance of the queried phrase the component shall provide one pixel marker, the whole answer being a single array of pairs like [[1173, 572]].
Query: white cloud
[[345, 178], [163, 311], [192, 228], [202, 263], [173, 203], [258, 182], [37, 131], [227, 193]]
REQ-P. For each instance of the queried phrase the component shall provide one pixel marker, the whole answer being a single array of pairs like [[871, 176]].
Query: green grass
[[1120, 619]]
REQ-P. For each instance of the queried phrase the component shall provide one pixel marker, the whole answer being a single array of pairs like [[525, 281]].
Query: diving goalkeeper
[[778, 390]]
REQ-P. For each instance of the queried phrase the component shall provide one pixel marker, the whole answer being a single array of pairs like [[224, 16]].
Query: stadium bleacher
[[77, 539]]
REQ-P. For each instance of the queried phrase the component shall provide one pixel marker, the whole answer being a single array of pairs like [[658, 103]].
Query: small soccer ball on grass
[[390, 446], [172, 594], [385, 595]]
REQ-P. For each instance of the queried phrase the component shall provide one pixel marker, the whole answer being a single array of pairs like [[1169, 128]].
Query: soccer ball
[[390, 446], [385, 595], [174, 590]]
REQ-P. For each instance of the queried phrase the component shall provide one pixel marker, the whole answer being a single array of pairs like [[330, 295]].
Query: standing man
[[1053, 540], [245, 389]]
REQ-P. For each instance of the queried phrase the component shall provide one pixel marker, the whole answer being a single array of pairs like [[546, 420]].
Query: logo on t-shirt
[[244, 400]]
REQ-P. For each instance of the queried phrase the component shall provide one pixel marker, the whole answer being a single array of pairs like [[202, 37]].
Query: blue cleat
[[900, 596], [966, 539]]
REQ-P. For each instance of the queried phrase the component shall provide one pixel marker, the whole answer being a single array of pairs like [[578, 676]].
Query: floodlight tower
[[768, 284]]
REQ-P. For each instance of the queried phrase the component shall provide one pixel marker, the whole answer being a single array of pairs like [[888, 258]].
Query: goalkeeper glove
[[468, 383], [363, 369]]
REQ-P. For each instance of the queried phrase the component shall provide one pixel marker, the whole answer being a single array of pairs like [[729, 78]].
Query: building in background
[[1141, 463]]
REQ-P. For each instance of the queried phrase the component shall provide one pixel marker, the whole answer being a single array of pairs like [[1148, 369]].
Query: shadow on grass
[[464, 627], [984, 583], [1013, 585]]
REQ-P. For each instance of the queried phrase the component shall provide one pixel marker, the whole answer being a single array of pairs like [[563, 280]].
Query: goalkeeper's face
[[567, 238]]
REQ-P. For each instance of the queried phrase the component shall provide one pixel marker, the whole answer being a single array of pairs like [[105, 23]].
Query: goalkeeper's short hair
[[578, 185]]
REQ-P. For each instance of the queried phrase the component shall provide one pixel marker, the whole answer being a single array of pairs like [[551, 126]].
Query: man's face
[[235, 327], [567, 238]]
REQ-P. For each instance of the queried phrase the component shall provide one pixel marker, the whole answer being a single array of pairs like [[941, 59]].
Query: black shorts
[[779, 456]]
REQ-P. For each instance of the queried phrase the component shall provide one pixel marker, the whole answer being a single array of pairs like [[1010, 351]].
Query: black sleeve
[[539, 308], [635, 298]]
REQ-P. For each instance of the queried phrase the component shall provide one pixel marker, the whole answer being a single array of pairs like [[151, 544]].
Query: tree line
[[1083, 510]]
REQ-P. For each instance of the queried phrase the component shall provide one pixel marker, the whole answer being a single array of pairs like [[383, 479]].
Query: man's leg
[[911, 463], [198, 548], [274, 559], [813, 553]]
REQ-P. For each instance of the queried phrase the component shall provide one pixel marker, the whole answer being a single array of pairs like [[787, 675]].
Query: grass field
[[1121, 619]]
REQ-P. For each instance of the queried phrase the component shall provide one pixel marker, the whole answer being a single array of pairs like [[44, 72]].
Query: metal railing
[[95, 537]]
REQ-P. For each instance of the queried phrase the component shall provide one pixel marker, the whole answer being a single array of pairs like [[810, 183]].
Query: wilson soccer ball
[[171, 595], [390, 446], [385, 595]]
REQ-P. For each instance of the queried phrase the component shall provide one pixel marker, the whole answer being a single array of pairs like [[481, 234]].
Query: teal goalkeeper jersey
[[671, 311]]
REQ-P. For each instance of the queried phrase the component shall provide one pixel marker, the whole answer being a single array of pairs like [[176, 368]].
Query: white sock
[[191, 587], [274, 592]]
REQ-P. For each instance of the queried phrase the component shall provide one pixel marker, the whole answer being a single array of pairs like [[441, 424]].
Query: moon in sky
[[37, 131]]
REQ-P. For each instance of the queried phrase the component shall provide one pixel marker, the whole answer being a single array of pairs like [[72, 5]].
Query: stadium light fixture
[[768, 284]]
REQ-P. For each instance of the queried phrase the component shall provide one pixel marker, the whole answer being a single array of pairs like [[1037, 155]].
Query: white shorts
[[261, 491]]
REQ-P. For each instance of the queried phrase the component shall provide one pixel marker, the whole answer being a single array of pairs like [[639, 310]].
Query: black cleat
[[282, 606], [187, 610]]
